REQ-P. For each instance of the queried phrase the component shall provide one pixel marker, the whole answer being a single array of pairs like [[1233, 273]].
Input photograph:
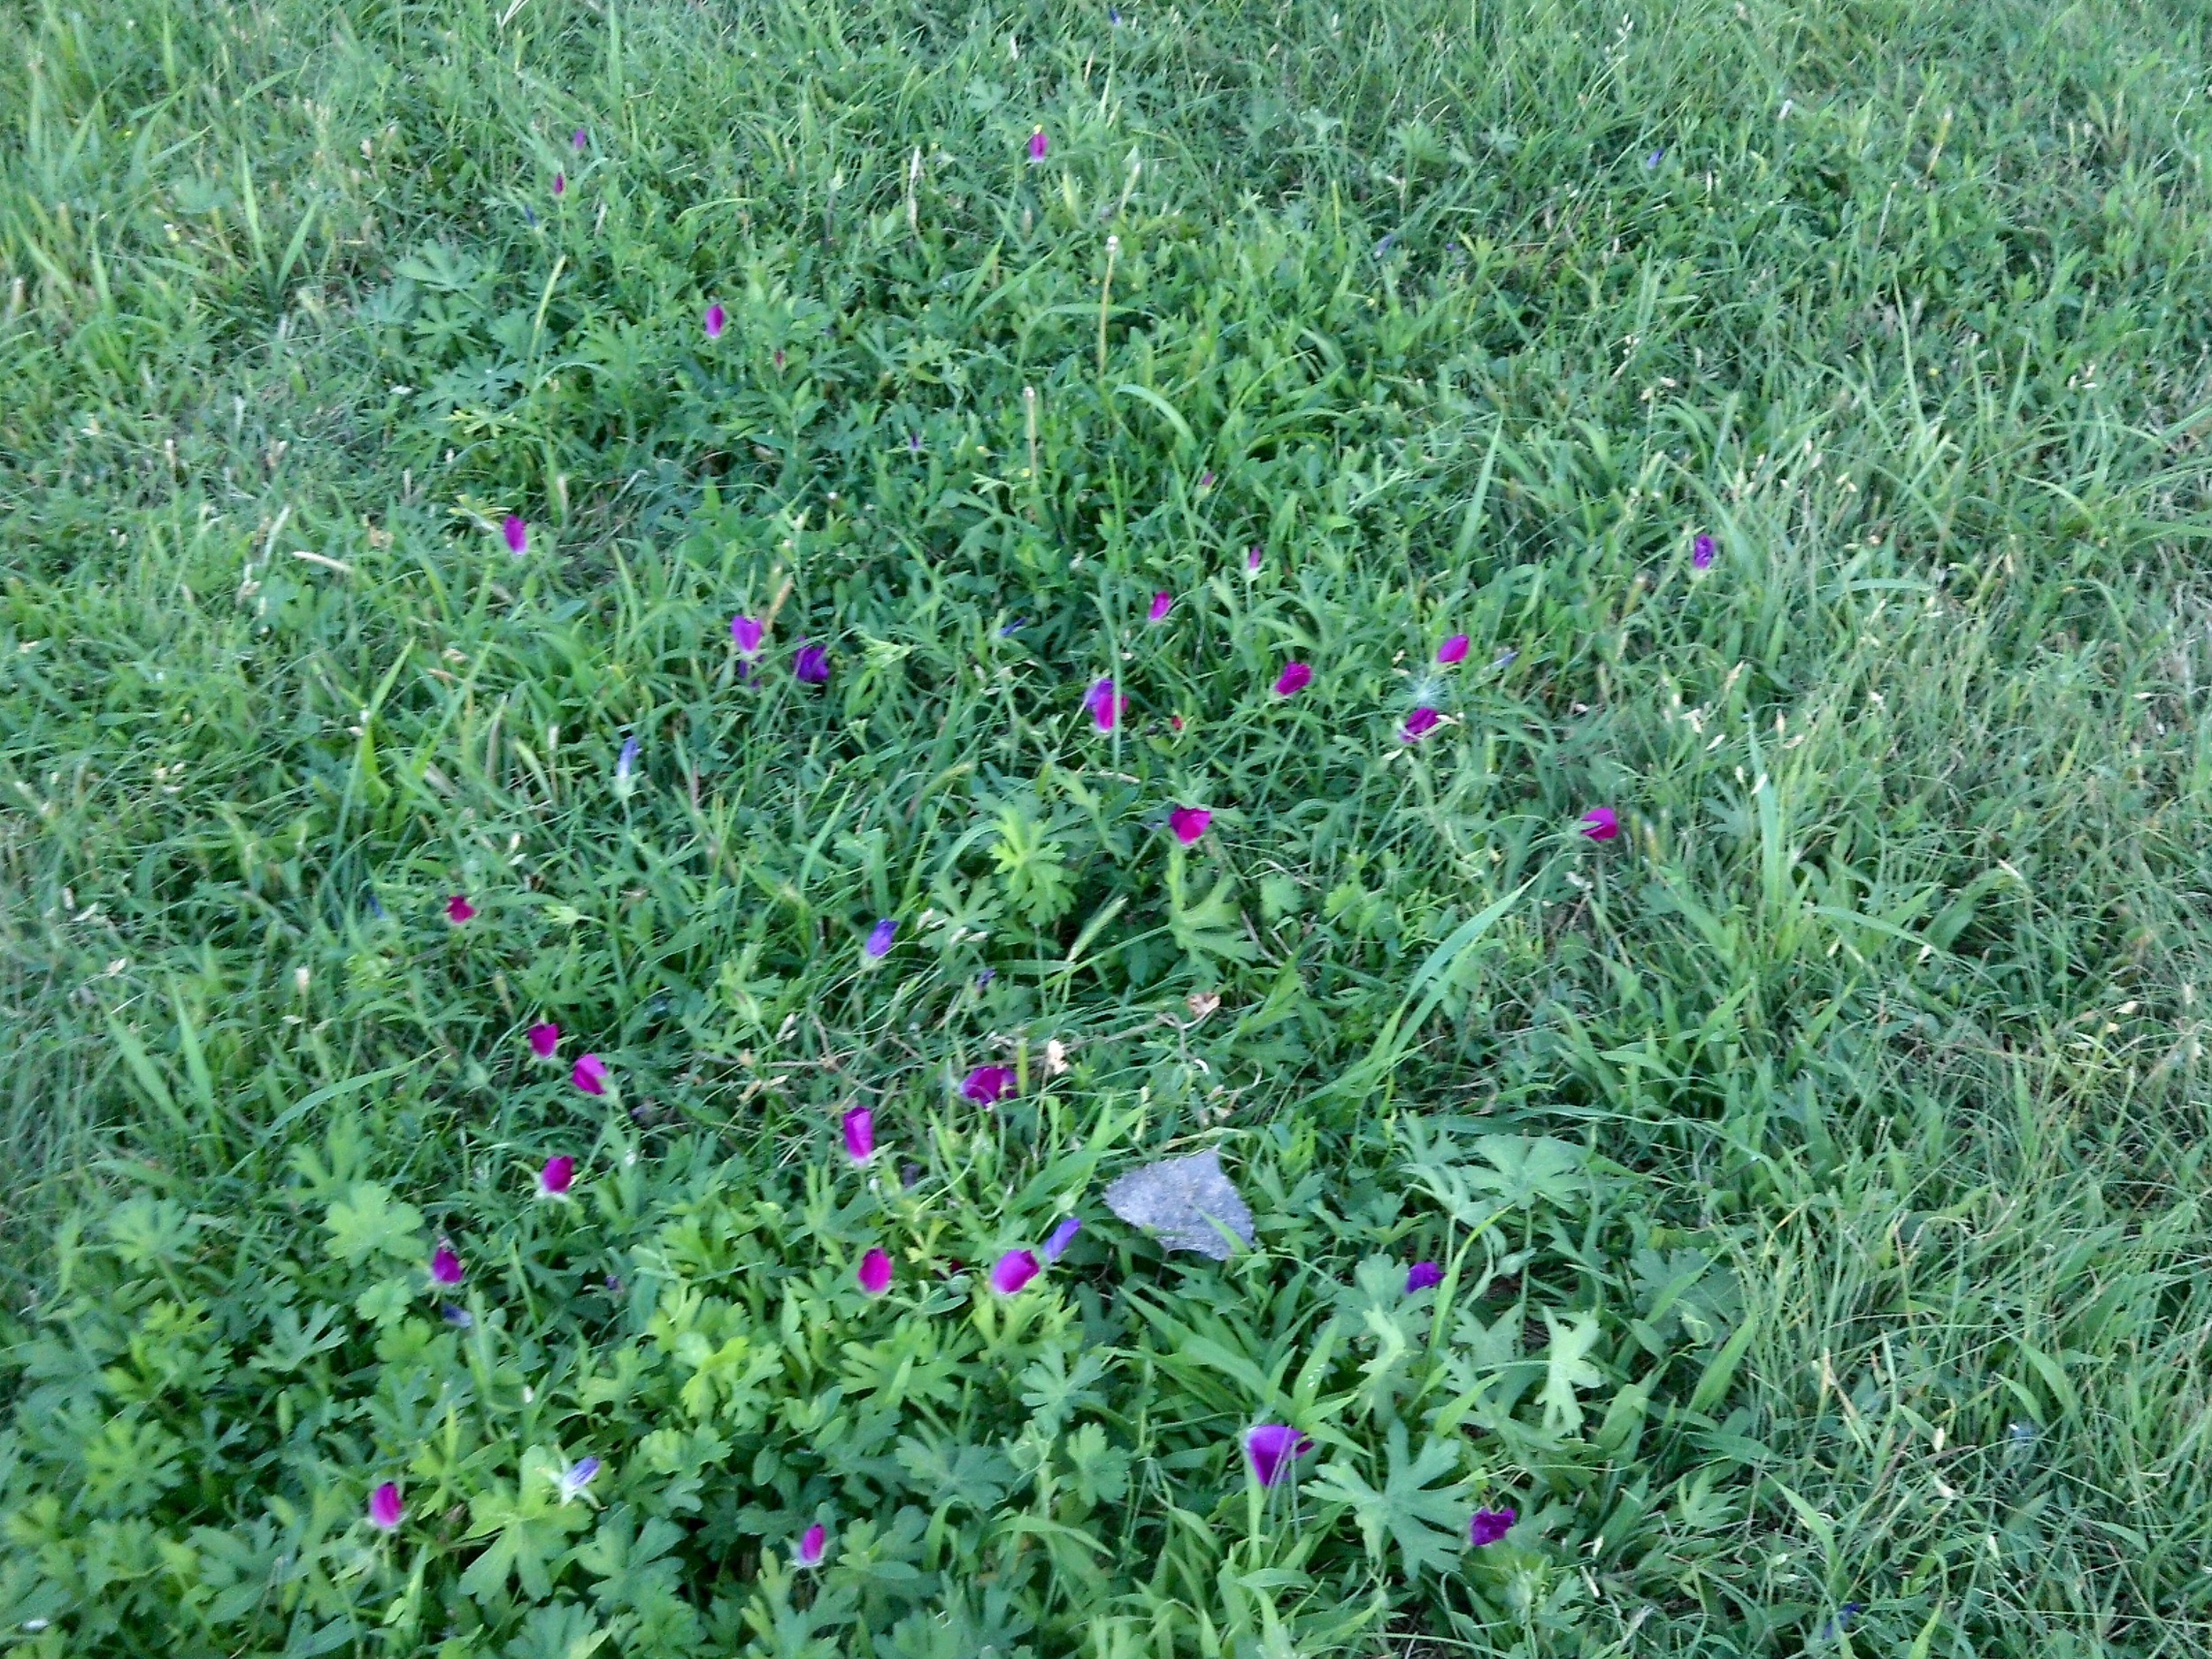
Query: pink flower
[[1015, 1269], [860, 1134], [1039, 145], [1419, 724], [1294, 679], [716, 317], [1104, 702], [1490, 1526], [590, 1074], [557, 1176], [384, 1510], [986, 1084], [1600, 825], [459, 910], [813, 1545], [1423, 1276], [1189, 823], [1162, 603], [875, 1272], [1271, 1448], [445, 1266], [1453, 650], [518, 535], [543, 1039]]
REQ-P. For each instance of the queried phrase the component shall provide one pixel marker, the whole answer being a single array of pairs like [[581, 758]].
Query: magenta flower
[[445, 1266], [1063, 1236], [1104, 702], [812, 666], [560, 184], [579, 138], [860, 1134], [544, 1039], [716, 317], [1038, 144], [1271, 1448], [384, 1510], [557, 1176], [518, 535], [1206, 479], [1453, 650], [1015, 1269], [745, 633], [988, 1084], [1490, 1526], [459, 910], [590, 1074], [878, 944], [1294, 679], [1189, 823], [875, 1272], [1600, 825], [1419, 724], [1251, 558], [1423, 1276], [576, 1477], [1162, 603], [813, 1545], [1702, 552]]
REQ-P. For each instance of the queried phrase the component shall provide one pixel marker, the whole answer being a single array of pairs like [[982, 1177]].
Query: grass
[[1884, 1008]]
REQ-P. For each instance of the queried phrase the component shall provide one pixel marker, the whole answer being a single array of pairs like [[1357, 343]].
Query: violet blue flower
[[557, 1176], [1014, 1269], [1104, 702], [812, 666], [455, 1315], [874, 1276], [716, 317], [576, 1477], [860, 1134], [878, 944], [1490, 1526], [625, 765], [459, 910], [987, 1085], [1063, 1236], [518, 535], [1419, 724], [813, 1545], [1189, 823], [1702, 552], [1271, 1448], [445, 1266], [1600, 825], [1294, 679], [384, 1510], [1423, 1276], [544, 1039], [590, 1074], [1453, 650]]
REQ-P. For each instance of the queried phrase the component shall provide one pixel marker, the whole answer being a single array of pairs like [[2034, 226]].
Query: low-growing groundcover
[[1575, 636]]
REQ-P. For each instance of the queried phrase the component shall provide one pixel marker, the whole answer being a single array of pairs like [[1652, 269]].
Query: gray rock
[[1181, 1200]]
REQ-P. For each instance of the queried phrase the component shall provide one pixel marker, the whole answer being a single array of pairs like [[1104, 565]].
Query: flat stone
[[1180, 1200]]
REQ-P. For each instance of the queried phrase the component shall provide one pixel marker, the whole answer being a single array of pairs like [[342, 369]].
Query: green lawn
[[1817, 1168]]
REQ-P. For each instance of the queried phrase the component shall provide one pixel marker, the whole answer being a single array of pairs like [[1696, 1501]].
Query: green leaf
[[1425, 1521], [1567, 1368], [366, 1222]]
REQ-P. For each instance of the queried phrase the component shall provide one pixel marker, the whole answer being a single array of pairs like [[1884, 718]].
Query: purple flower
[[1490, 1526], [874, 1276], [716, 317], [1014, 1269], [1113, 16], [988, 1084], [1600, 825], [445, 1266], [860, 1134], [589, 1074], [1271, 1448], [544, 1039], [1294, 679], [1423, 1276], [518, 535], [1453, 650], [813, 1545], [1038, 144], [745, 633], [1702, 552], [1189, 823], [878, 944], [384, 1510], [459, 910], [913, 444], [1104, 702], [1063, 1236], [581, 138], [1206, 479], [1419, 724], [576, 1477], [1162, 603], [812, 666], [557, 1176], [560, 184], [1251, 555]]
